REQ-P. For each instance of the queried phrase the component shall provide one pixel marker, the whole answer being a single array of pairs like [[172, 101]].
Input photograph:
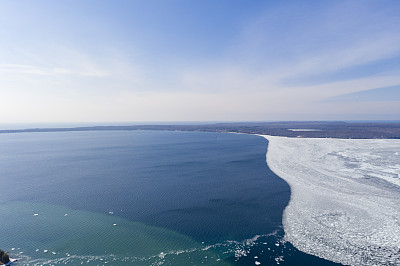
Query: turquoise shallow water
[[49, 234], [142, 198]]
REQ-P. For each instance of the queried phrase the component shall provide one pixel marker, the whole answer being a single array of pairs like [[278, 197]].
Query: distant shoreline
[[311, 129]]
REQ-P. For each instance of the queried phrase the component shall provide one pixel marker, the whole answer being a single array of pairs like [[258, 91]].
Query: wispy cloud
[[384, 94], [314, 50], [287, 61], [37, 70], [18, 68]]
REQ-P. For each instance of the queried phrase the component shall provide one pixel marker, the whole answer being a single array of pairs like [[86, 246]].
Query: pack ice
[[345, 197]]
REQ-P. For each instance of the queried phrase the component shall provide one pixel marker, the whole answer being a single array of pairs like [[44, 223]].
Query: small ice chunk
[[115, 224], [37, 250], [257, 263], [13, 249], [111, 213], [45, 251], [66, 214], [256, 257], [35, 214], [53, 253]]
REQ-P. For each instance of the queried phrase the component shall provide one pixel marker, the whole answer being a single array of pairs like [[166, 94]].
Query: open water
[[142, 198]]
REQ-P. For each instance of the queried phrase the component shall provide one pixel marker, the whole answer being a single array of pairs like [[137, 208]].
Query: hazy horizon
[[30, 125]]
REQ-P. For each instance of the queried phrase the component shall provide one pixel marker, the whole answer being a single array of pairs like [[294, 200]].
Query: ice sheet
[[345, 197]]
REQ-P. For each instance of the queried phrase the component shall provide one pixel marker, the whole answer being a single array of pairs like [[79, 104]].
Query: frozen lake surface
[[345, 197]]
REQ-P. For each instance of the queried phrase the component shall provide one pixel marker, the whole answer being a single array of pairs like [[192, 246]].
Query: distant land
[[309, 129]]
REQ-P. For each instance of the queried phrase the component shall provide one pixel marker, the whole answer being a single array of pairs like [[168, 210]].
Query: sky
[[179, 60]]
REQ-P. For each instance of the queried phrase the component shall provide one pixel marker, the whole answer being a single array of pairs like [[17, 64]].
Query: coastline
[[348, 216], [304, 129]]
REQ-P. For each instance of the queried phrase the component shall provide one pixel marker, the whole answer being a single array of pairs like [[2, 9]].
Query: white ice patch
[[303, 129], [345, 197]]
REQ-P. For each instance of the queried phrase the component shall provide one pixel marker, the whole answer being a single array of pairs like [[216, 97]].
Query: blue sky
[[226, 60]]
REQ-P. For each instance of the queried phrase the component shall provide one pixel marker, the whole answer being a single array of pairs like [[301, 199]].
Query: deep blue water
[[203, 197]]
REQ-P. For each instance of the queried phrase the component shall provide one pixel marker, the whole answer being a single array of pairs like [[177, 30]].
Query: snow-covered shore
[[345, 197]]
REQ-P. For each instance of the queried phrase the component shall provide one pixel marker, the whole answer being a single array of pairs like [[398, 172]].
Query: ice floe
[[303, 129], [345, 197]]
